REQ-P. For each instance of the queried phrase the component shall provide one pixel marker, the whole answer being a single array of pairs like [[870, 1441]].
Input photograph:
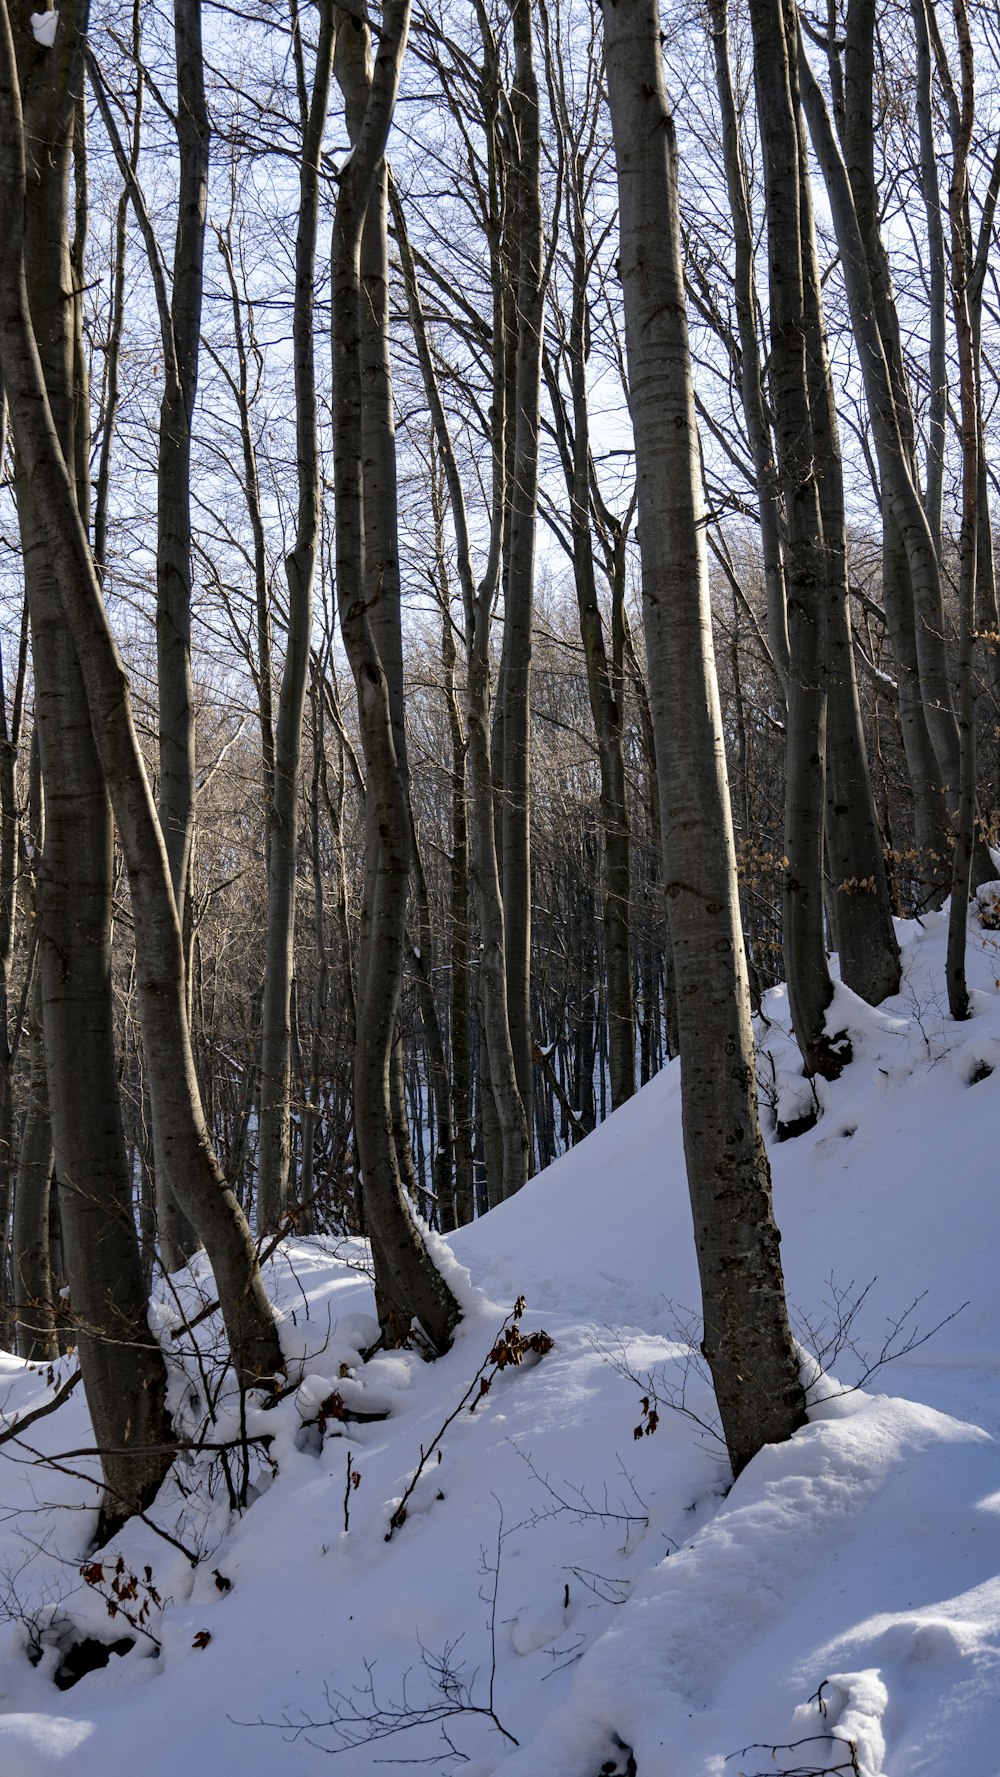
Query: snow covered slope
[[561, 1589]]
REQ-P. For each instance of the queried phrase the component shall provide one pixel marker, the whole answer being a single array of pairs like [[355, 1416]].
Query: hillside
[[559, 1581]]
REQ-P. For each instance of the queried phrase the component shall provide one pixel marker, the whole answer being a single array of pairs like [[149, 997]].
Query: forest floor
[[573, 1574]]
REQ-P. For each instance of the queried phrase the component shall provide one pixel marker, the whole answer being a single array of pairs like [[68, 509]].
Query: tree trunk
[[34, 1310], [605, 679], [408, 1286], [300, 566], [810, 988], [56, 538], [515, 813], [498, 1083], [746, 1325], [862, 916], [751, 383], [875, 329], [968, 369], [123, 1371], [180, 379]]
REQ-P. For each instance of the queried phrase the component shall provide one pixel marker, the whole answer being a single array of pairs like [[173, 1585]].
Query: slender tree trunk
[[10, 845], [116, 325], [422, 966], [55, 537], [968, 369], [937, 278], [173, 550], [605, 679], [262, 667], [320, 994], [810, 988], [460, 1008], [746, 1325], [515, 818], [862, 916], [123, 1371], [498, 1082], [751, 384], [854, 207], [33, 1296], [909, 556], [408, 1286], [300, 566]]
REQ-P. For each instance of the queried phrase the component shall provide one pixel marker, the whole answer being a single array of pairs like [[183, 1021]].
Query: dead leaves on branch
[[511, 1347]]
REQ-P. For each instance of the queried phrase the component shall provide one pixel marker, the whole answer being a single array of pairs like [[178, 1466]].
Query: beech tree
[[300, 567], [55, 534], [408, 1286], [747, 1341]]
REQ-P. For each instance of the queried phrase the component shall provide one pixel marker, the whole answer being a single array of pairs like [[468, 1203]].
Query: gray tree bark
[[31, 1272], [300, 566], [969, 406], [909, 558], [180, 380], [123, 1371], [751, 382], [865, 937], [408, 1286], [56, 536], [810, 988], [747, 1340], [605, 677]]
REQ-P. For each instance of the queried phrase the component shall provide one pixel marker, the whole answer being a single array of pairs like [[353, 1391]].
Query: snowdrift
[[572, 1586]]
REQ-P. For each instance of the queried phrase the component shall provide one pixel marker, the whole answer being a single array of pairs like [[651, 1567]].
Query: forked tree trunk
[[747, 1340], [913, 590]]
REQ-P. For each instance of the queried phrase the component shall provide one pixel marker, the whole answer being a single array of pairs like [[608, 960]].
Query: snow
[[596, 1590], [43, 28]]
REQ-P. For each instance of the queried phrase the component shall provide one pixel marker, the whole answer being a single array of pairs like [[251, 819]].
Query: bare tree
[[408, 1286], [300, 566], [55, 536], [747, 1340]]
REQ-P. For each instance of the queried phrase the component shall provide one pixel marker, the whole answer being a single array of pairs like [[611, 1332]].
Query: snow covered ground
[[561, 1588]]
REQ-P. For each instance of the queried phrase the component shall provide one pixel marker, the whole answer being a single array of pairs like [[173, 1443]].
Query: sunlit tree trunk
[[746, 1339]]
